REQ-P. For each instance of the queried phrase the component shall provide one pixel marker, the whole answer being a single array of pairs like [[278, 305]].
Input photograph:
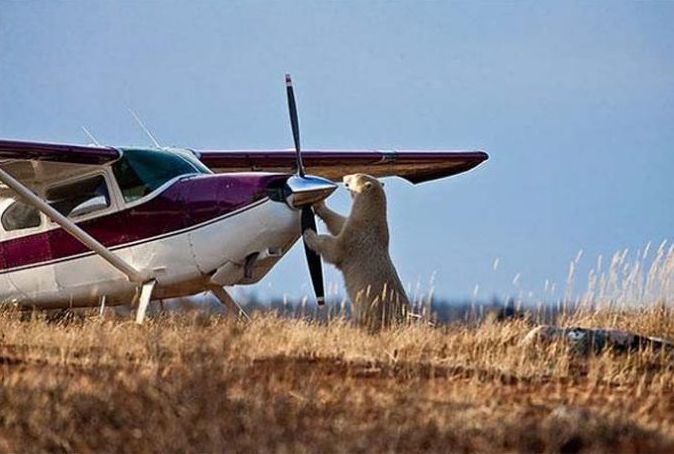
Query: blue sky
[[574, 102]]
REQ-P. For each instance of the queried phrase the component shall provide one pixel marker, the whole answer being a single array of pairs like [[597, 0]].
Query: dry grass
[[185, 383], [210, 384]]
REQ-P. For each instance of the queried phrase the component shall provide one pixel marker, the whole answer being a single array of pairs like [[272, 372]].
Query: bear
[[359, 247]]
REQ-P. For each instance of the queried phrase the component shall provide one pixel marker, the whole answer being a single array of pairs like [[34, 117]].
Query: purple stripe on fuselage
[[187, 203]]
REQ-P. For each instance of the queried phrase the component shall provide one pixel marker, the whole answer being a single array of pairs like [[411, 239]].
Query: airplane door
[[86, 201]]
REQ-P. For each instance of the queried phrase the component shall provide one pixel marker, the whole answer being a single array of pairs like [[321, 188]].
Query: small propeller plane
[[95, 225]]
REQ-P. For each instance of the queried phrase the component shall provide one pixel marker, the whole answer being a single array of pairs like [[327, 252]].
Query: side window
[[81, 197], [20, 216]]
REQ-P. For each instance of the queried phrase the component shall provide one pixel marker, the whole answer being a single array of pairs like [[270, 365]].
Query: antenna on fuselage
[[91, 137], [142, 126]]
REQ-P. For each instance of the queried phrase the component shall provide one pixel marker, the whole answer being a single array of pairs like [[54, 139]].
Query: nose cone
[[307, 190]]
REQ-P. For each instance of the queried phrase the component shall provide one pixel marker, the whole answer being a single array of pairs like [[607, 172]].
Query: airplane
[[89, 226]]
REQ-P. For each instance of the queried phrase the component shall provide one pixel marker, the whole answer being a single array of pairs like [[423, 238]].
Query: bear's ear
[[368, 184]]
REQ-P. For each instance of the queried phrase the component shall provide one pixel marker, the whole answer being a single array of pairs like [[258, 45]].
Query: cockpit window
[[139, 172], [20, 216], [80, 197]]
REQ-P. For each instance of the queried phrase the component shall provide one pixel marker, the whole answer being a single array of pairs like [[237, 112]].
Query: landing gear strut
[[227, 301]]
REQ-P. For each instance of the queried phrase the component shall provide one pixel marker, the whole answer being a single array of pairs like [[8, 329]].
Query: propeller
[[308, 221]]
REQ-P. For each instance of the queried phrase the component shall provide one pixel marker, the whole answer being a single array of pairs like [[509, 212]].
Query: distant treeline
[[436, 310]]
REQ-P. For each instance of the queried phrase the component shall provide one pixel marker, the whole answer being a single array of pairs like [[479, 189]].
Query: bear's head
[[360, 183], [369, 202]]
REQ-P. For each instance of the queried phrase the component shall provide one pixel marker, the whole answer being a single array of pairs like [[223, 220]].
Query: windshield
[[139, 172]]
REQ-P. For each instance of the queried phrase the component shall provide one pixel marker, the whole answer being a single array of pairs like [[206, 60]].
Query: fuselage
[[160, 211]]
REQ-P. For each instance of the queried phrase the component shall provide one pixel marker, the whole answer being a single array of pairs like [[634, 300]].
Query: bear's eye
[[368, 185]]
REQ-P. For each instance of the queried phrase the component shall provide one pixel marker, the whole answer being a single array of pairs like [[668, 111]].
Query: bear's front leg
[[335, 222], [325, 245]]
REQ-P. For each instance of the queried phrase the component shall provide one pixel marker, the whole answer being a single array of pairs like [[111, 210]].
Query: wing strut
[[69, 226]]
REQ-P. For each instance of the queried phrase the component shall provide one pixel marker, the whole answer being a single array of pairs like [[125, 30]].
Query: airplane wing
[[55, 152], [414, 166], [33, 163], [27, 160]]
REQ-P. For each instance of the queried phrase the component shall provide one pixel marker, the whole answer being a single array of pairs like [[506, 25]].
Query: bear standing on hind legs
[[358, 247]]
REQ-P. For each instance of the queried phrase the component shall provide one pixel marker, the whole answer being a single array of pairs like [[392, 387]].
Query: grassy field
[[201, 383], [192, 383]]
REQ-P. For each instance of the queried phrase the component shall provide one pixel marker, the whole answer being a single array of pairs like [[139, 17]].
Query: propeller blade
[[294, 123], [313, 259], [302, 191]]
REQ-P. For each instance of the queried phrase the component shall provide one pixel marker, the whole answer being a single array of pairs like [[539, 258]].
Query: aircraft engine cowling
[[300, 191]]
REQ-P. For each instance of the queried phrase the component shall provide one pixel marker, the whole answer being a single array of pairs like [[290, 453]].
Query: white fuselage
[[182, 261]]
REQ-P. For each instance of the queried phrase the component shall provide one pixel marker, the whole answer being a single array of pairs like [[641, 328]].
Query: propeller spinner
[[304, 191]]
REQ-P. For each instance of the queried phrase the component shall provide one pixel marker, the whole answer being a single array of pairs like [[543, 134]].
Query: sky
[[573, 101]]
